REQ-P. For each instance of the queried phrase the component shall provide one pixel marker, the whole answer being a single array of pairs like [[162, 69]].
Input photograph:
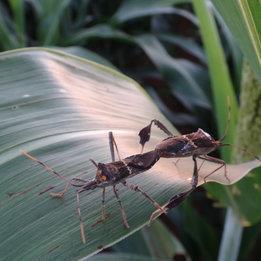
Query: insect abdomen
[[172, 147]]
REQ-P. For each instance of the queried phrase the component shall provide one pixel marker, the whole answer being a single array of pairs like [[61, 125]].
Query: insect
[[197, 144], [108, 175]]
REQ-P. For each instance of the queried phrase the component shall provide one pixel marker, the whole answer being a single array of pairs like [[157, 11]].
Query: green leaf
[[122, 256], [86, 54], [231, 237], [194, 225], [161, 242], [135, 243], [178, 72], [233, 50], [98, 31], [248, 144], [133, 9], [222, 87], [155, 241], [50, 17], [60, 108], [243, 19], [17, 7], [188, 44], [8, 39], [185, 77], [221, 84]]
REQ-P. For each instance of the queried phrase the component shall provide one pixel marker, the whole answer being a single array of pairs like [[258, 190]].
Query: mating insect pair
[[197, 144]]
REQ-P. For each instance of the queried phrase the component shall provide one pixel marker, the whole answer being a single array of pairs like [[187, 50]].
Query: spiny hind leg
[[218, 161], [146, 131], [136, 188], [174, 201]]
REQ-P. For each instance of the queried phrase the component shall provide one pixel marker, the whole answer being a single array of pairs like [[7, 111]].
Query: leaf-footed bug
[[110, 174], [197, 145]]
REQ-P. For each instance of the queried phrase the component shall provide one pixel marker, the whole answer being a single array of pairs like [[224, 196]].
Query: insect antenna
[[94, 163], [48, 168]]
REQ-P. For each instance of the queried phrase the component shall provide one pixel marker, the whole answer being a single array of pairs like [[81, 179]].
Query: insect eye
[[103, 178]]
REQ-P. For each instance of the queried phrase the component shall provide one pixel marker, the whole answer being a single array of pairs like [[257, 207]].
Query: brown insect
[[109, 174], [197, 144]]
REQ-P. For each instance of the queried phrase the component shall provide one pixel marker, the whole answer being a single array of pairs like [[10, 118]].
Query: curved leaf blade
[[176, 71], [60, 108], [243, 20], [135, 9]]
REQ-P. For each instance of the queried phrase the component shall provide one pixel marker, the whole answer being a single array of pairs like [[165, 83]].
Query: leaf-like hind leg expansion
[[80, 218], [146, 131], [218, 161], [138, 189], [172, 203], [177, 199], [123, 214]]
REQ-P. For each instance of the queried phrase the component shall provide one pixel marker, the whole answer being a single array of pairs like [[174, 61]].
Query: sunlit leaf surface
[[60, 108]]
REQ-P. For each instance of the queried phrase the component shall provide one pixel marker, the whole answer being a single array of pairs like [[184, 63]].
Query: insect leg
[[80, 218], [94, 163], [145, 132], [172, 203], [218, 161], [52, 171], [194, 180], [137, 188], [103, 205], [177, 199], [61, 193], [113, 143], [176, 162], [201, 164], [48, 168], [123, 214]]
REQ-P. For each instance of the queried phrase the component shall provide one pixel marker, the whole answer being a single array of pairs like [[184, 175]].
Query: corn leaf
[[60, 108]]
